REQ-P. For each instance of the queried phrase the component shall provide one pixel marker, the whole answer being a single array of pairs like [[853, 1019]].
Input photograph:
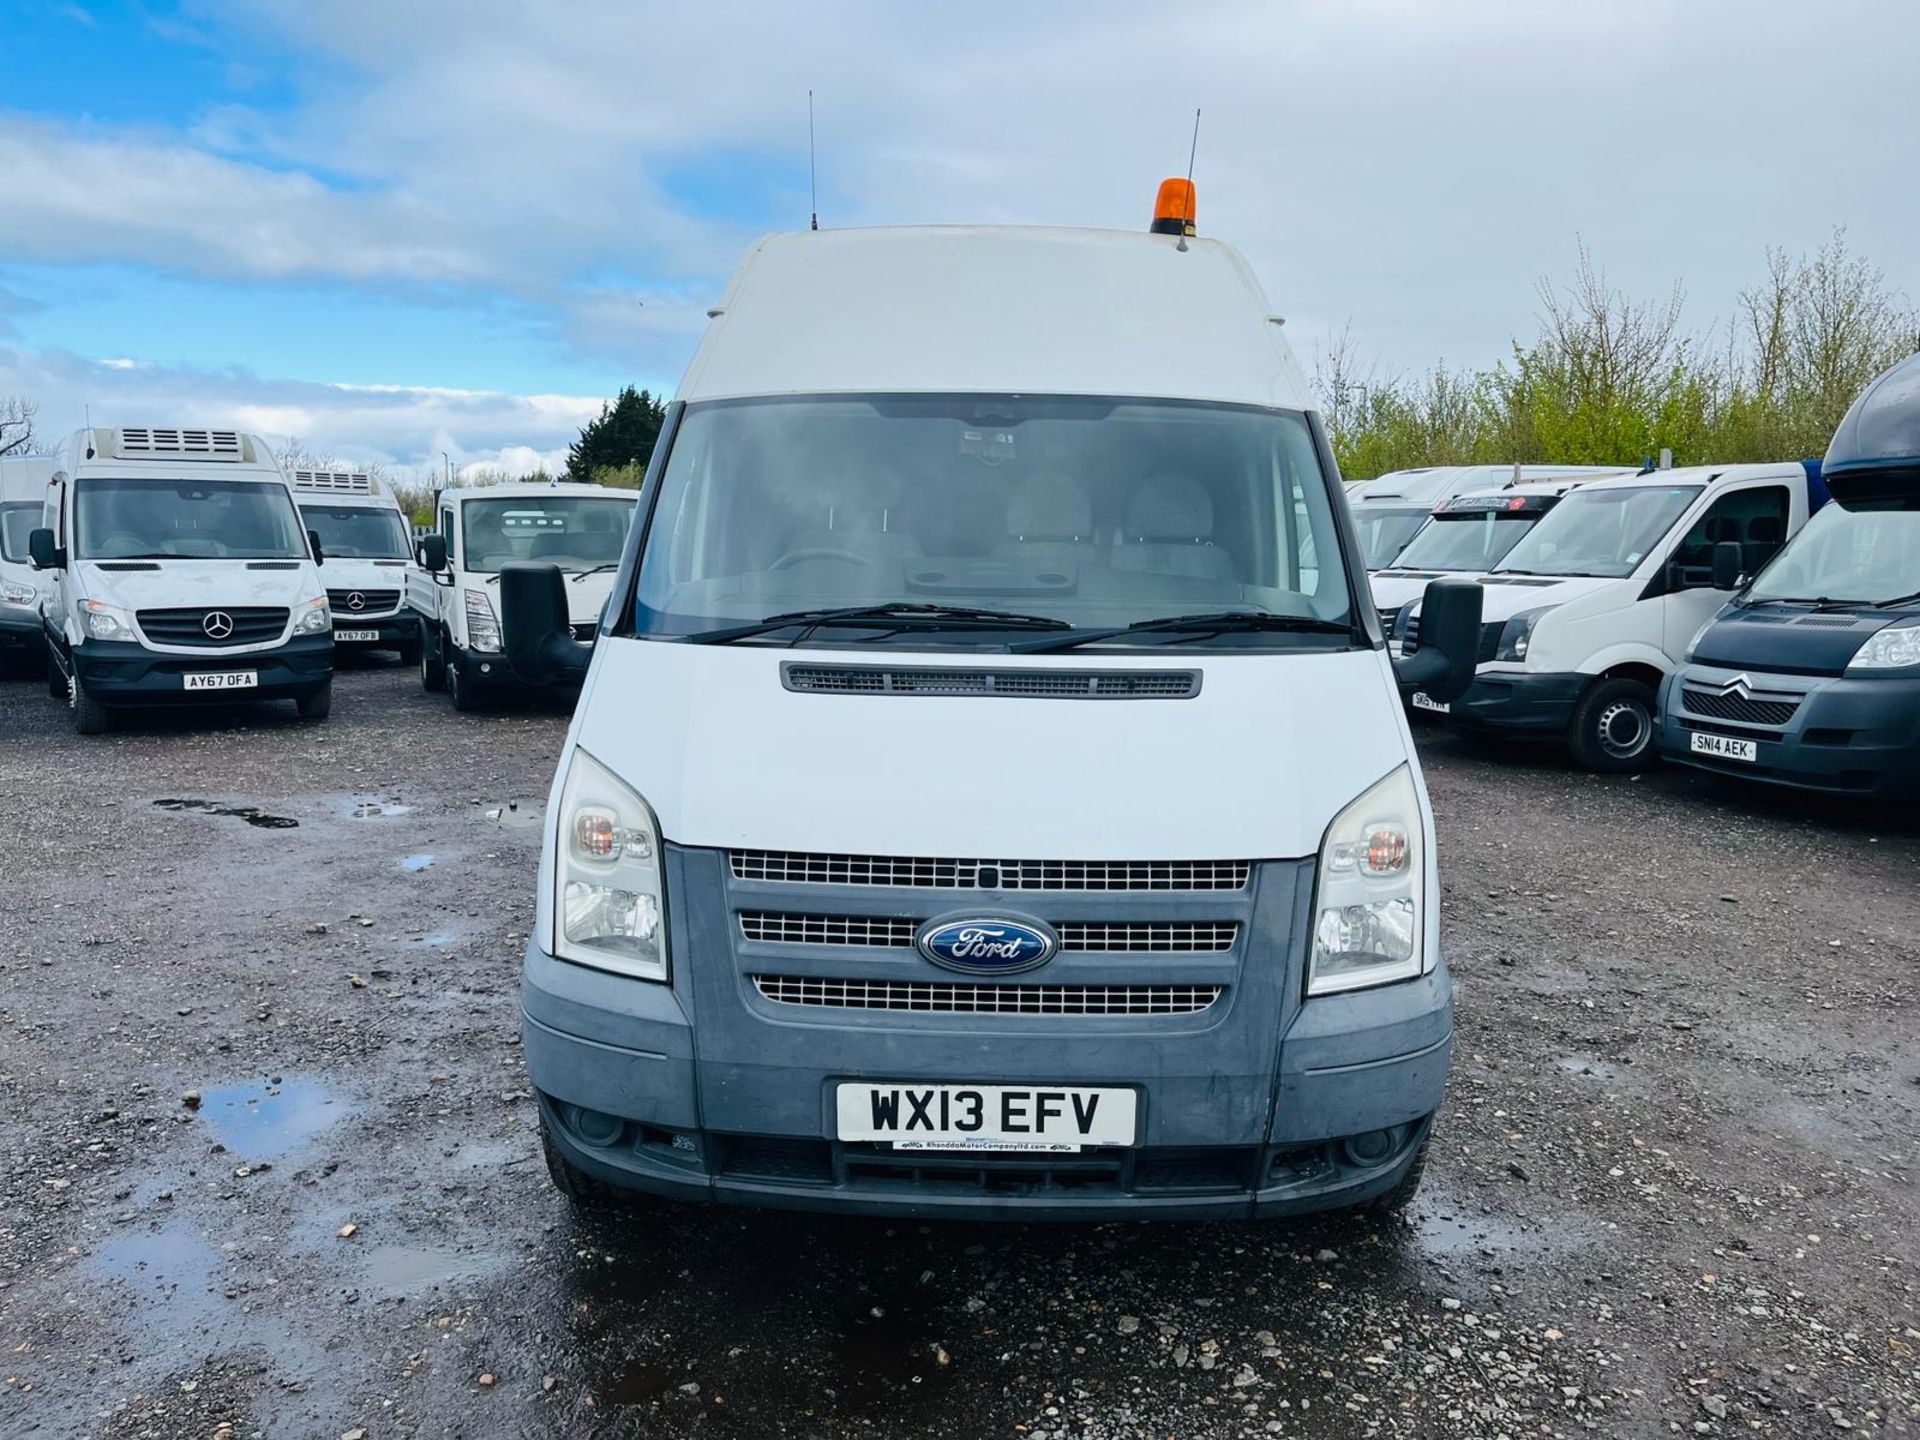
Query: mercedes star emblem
[[218, 625], [356, 601]]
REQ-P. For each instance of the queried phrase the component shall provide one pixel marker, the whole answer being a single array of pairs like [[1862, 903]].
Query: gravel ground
[[270, 1164]]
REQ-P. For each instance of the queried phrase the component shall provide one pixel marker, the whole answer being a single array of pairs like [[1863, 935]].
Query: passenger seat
[[1169, 531], [1049, 522]]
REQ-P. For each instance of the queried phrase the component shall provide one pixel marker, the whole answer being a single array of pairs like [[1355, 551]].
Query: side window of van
[[1755, 519]]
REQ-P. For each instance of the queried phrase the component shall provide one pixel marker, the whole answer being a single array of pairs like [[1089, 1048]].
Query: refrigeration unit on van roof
[[144, 442], [335, 482]]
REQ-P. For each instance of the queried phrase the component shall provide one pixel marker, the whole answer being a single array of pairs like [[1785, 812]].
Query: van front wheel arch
[[1613, 726]]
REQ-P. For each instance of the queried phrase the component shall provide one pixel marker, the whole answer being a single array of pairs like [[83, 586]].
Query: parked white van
[[178, 572], [579, 529], [1598, 602], [1389, 510], [368, 544], [990, 795], [23, 488]]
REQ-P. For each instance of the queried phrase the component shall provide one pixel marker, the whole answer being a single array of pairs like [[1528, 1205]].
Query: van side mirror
[[1729, 563], [313, 544], [43, 552], [432, 552], [534, 624], [1443, 667]]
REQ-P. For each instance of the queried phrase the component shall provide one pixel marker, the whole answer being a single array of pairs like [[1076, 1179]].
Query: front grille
[[1740, 708], [794, 867], [1005, 684], [1204, 937], [1388, 614], [945, 998], [829, 930], [372, 602], [251, 625]]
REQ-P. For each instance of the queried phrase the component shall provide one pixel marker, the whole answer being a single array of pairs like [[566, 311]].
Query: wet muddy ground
[[270, 1165]]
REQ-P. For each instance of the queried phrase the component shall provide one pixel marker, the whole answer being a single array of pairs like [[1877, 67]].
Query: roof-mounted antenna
[[87, 410], [1193, 152], [813, 183]]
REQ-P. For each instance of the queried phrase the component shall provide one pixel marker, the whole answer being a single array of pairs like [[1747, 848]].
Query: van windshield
[[1601, 530], [18, 518], [1084, 512], [186, 519], [1385, 531], [357, 532], [1476, 540], [1864, 550], [574, 532]]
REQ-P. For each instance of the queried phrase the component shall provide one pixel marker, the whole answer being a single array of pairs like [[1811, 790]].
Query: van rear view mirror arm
[[1443, 667], [534, 625]]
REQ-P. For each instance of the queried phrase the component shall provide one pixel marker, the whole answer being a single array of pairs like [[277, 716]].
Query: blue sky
[[391, 229]]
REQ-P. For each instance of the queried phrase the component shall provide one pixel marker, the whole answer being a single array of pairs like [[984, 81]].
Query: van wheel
[[318, 705], [463, 693], [585, 1192], [1613, 727], [90, 717], [1402, 1194], [433, 664]]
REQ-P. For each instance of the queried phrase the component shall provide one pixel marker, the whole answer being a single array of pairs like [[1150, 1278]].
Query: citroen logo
[[1741, 685], [218, 625], [356, 601]]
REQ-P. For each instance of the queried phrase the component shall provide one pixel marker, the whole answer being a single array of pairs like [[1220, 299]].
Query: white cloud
[[404, 427]]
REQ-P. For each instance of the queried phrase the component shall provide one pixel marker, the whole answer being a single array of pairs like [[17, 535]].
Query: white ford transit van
[[579, 529], [368, 544], [23, 487], [178, 572], [990, 794]]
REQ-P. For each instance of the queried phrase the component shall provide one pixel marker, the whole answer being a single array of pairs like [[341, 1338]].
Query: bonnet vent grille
[[202, 444], [1004, 684]]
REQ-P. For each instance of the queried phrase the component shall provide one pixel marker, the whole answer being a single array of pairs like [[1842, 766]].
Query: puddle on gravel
[[252, 814], [394, 1272], [172, 1268], [515, 814], [359, 807], [264, 1120], [416, 863], [1444, 1233]]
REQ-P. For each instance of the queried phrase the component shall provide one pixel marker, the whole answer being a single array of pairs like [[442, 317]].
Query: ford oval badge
[[987, 945]]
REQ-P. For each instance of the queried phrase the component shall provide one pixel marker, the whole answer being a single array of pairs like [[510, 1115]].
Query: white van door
[[1758, 517]]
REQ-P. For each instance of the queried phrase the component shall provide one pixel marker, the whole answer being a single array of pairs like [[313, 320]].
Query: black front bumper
[[1846, 736], [122, 672], [1519, 702]]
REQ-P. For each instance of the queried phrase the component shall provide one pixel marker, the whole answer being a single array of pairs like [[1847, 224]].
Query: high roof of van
[[24, 477], [133, 450], [533, 490], [995, 309], [1439, 482]]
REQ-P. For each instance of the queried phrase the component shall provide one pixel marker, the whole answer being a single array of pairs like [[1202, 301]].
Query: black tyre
[[90, 717], [433, 663], [464, 694], [1402, 1194], [570, 1180], [1613, 727], [318, 705]]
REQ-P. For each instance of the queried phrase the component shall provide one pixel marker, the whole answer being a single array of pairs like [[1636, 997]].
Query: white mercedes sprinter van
[[23, 489], [178, 572], [578, 529], [368, 544], [990, 794]]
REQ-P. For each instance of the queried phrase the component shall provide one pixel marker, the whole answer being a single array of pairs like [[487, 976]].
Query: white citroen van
[[23, 487], [368, 544], [453, 595], [990, 794], [178, 572], [1597, 603]]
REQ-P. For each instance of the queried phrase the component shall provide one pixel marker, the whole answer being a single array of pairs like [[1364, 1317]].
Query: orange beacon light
[[1173, 207]]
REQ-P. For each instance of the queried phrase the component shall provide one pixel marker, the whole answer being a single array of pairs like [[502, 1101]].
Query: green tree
[[621, 436]]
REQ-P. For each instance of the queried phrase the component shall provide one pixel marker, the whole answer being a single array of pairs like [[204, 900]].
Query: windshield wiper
[[580, 575], [899, 615], [1896, 600], [1217, 622]]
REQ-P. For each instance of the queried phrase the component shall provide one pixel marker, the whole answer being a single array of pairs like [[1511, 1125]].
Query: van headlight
[[314, 618], [1367, 902], [16, 594], [1517, 634], [106, 622], [610, 900], [483, 631], [1895, 648]]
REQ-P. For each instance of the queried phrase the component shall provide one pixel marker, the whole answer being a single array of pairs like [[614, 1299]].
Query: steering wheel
[[817, 552]]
